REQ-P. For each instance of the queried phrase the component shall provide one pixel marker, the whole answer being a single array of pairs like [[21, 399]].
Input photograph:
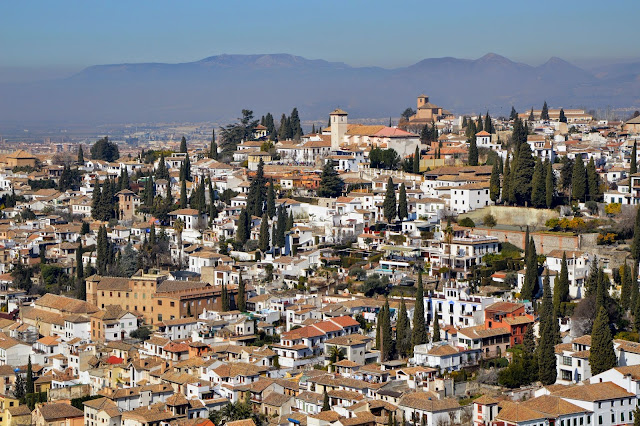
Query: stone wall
[[513, 216], [545, 242], [69, 392]]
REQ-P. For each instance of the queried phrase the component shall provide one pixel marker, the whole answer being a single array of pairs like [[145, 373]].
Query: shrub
[[467, 222]]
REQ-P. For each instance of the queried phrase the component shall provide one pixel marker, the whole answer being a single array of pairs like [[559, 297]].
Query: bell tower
[[338, 127]]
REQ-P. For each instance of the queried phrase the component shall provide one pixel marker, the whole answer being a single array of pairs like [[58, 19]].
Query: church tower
[[338, 128]]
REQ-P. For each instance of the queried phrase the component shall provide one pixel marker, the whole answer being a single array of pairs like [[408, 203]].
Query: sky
[[43, 38]]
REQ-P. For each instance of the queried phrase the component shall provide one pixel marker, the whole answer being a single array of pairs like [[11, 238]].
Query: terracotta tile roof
[[553, 406], [244, 422], [65, 304], [276, 399], [594, 392], [57, 411], [428, 401], [516, 413]]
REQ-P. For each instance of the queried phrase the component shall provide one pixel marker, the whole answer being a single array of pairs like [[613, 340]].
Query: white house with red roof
[[299, 346]]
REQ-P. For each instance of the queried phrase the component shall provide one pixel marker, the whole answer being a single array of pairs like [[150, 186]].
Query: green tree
[[161, 171], [578, 180], [183, 145], [473, 152], [531, 116], [389, 205], [549, 186], [494, 183], [102, 247], [635, 243], [561, 285], [403, 212], [634, 159], [233, 134], [105, 150], [243, 230], [242, 303], [325, 401], [563, 118], [544, 114], [593, 181], [591, 283], [264, 233], [419, 335], [225, 303], [213, 147], [523, 177], [538, 188], [257, 192], [271, 200], [281, 228], [436, 328], [29, 380], [601, 357], [529, 341], [331, 183], [183, 194], [530, 285], [506, 182], [403, 332], [385, 334], [79, 264], [636, 416], [514, 114], [416, 160], [488, 124], [546, 346], [625, 281], [80, 155]]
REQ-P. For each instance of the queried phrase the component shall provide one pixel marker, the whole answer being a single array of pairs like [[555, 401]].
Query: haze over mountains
[[218, 87]]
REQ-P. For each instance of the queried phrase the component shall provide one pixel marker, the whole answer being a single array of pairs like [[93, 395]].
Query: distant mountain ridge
[[216, 88]]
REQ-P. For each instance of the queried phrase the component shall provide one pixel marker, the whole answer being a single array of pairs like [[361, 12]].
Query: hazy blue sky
[[73, 34]]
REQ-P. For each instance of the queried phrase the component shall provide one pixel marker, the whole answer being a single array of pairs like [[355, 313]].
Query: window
[[566, 360], [159, 302]]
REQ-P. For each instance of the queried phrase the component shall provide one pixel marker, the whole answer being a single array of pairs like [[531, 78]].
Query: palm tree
[[178, 227], [336, 354]]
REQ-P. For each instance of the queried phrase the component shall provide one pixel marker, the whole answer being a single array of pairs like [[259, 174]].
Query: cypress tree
[[593, 181], [325, 401], [79, 264], [531, 116], [257, 192], [514, 114], [636, 416], [264, 233], [271, 200], [634, 159], [563, 118], [102, 248], [379, 328], [213, 147], [389, 205], [242, 304], [473, 152], [241, 230], [548, 184], [544, 114], [290, 221], [635, 292], [436, 328], [29, 385], [601, 357], [561, 285], [494, 183], [526, 244], [636, 318], [578, 180], [183, 145], [281, 228], [183, 194], [530, 285], [80, 155], [529, 341], [635, 243], [488, 124], [591, 284], [162, 172], [403, 212], [506, 182], [403, 332], [538, 188], [546, 347], [625, 292], [419, 335], [224, 299], [416, 160], [523, 177], [387, 343]]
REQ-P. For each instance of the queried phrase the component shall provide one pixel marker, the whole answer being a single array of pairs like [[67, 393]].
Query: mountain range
[[219, 87]]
